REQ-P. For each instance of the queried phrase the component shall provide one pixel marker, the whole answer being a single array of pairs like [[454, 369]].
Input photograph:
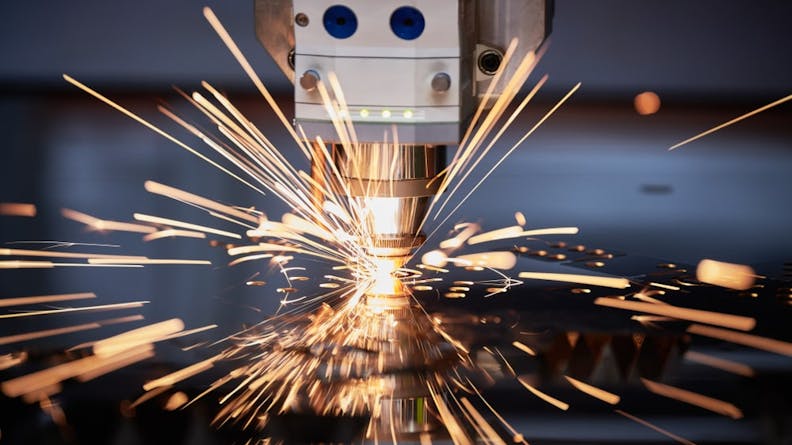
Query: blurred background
[[597, 164]]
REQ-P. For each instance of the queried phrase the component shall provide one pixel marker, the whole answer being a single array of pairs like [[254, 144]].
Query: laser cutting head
[[411, 74]]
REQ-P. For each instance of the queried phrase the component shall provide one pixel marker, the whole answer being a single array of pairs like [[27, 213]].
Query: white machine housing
[[386, 80]]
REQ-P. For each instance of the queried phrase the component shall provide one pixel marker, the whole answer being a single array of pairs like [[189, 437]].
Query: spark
[[643, 422], [489, 432], [18, 301], [732, 276], [247, 258], [720, 363], [714, 405], [616, 283], [551, 400], [198, 201], [524, 348], [664, 286], [55, 332], [54, 254], [517, 231], [494, 260], [114, 261], [104, 307], [731, 122], [154, 128], [148, 395], [59, 244], [173, 233], [458, 240], [182, 374], [753, 341], [593, 391], [136, 337], [17, 209], [176, 401], [508, 153], [112, 363], [103, 224], [714, 318], [51, 377], [240, 57]]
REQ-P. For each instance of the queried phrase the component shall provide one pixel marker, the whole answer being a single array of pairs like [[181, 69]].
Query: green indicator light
[[364, 112], [408, 114], [386, 113]]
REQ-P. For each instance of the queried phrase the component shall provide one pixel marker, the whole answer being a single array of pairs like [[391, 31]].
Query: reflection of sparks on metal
[[363, 345], [732, 276]]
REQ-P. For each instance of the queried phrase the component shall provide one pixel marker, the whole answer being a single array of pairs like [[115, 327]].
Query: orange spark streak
[[708, 317], [182, 374], [111, 261], [498, 234], [455, 430], [523, 347], [47, 333], [517, 437], [489, 432], [617, 283], [495, 260], [49, 265], [176, 401], [46, 378], [508, 153], [136, 337], [593, 391], [105, 307], [17, 209], [148, 395], [249, 258], [733, 121], [200, 201], [664, 286], [754, 341], [666, 433], [510, 90], [458, 240], [702, 401], [189, 332], [172, 233], [720, 363], [54, 254], [551, 400], [18, 301], [103, 224], [243, 62], [517, 231], [26, 264], [116, 362], [154, 128]]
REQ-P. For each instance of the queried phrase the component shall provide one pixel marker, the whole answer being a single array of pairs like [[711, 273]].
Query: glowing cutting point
[[383, 280]]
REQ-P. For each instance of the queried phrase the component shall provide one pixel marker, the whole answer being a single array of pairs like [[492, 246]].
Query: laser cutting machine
[[411, 72]]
